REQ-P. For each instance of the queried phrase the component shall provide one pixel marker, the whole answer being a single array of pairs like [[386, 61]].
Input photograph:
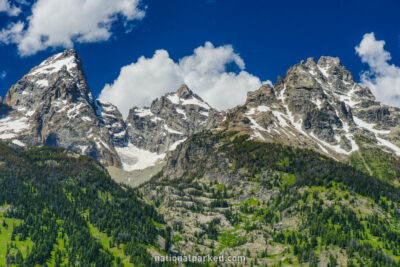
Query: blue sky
[[269, 36]]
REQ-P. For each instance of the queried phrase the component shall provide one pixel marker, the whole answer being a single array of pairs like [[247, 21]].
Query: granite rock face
[[52, 105], [169, 120], [317, 105], [112, 119]]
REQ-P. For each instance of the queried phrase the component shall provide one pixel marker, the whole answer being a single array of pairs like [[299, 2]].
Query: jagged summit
[[68, 60], [316, 105], [170, 120], [53, 105], [320, 106], [58, 78], [184, 92]]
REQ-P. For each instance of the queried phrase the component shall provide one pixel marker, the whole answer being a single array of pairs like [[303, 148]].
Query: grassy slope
[[5, 239], [374, 161]]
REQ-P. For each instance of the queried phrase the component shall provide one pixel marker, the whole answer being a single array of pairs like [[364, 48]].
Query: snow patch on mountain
[[134, 158], [55, 64]]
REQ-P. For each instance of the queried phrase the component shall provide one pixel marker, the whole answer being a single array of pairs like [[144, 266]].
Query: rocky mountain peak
[[184, 92], [53, 105], [58, 78], [320, 106], [265, 95], [67, 60], [169, 120]]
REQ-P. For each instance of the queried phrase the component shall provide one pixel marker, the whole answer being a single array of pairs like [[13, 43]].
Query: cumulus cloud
[[11, 10], [382, 77], [205, 72], [12, 33], [60, 23]]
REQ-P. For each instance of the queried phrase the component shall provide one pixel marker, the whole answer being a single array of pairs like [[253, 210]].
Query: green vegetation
[[231, 239], [9, 244], [68, 211], [371, 160], [317, 209]]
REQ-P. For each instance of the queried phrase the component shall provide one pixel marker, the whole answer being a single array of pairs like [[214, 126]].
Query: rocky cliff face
[[112, 119], [52, 105], [155, 130], [169, 120], [317, 105]]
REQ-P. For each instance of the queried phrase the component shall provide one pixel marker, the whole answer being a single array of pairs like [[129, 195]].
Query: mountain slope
[[70, 212], [229, 195]]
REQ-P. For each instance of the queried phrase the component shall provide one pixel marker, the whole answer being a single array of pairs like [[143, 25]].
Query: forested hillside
[[275, 204], [221, 193], [60, 209]]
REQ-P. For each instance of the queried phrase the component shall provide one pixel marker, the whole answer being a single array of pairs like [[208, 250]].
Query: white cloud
[[3, 74], [11, 10], [382, 77], [204, 72], [60, 23], [12, 33]]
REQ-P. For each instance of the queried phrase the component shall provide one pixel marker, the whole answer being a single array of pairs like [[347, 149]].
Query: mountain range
[[316, 105], [305, 172]]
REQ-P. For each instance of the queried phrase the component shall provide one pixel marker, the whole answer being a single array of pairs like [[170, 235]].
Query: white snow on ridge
[[258, 135], [170, 130], [54, 65], [7, 136], [18, 143], [257, 128], [381, 141], [86, 118], [280, 115], [369, 126], [74, 110], [388, 144], [174, 99], [347, 98], [16, 126], [196, 102], [296, 124], [144, 112], [120, 134], [335, 148], [281, 95], [252, 111], [175, 145], [155, 119], [182, 112], [109, 108], [324, 71], [204, 113], [317, 102], [42, 83], [134, 158]]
